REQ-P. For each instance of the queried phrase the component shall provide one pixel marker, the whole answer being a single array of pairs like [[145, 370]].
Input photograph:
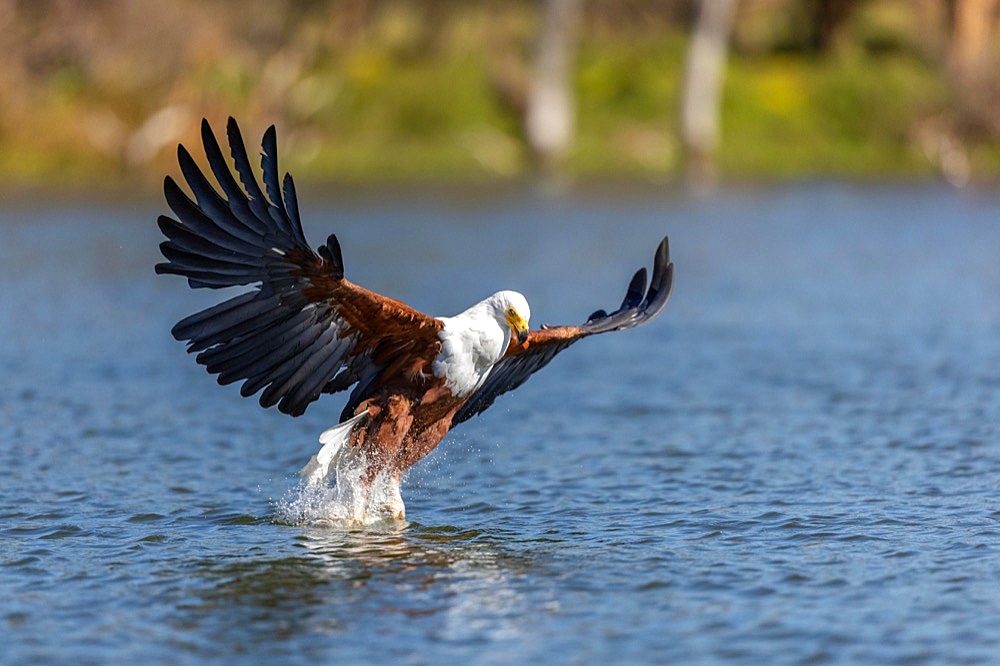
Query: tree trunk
[[549, 117], [972, 24], [702, 92]]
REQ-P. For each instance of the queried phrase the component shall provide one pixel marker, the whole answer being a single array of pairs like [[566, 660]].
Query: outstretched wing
[[524, 359], [304, 329]]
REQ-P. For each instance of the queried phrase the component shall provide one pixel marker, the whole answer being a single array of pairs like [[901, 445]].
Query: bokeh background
[[96, 94]]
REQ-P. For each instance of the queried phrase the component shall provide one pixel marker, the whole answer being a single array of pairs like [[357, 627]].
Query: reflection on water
[[465, 579]]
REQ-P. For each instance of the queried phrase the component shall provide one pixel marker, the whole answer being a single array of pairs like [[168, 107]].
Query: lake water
[[799, 461]]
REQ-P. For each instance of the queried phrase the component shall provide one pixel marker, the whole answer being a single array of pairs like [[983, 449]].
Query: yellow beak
[[518, 326]]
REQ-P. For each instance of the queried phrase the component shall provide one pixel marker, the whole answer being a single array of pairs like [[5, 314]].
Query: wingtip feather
[[336, 256], [661, 257], [636, 290]]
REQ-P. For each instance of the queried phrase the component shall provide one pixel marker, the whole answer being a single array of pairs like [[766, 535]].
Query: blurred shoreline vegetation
[[98, 93]]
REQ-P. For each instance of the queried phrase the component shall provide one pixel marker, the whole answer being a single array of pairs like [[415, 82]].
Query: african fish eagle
[[304, 329]]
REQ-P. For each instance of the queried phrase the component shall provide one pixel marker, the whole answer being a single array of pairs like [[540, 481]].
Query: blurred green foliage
[[100, 93], [818, 116]]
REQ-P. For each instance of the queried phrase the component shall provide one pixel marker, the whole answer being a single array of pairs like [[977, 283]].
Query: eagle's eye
[[511, 312]]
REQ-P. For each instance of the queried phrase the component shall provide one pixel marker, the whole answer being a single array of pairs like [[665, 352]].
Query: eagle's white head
[[511, 308]]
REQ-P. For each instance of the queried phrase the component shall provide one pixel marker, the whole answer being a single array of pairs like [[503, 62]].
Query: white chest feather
[[470, 346]]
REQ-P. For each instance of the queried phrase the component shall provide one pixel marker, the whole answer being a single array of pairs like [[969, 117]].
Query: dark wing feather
[[303, 329], [523, 360]]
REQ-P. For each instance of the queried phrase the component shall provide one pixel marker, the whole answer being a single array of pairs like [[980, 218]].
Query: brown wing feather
[[546, 335], [304, 329], [524, 359]]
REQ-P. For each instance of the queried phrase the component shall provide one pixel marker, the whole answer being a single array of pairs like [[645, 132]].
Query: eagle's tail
[[333, 440]]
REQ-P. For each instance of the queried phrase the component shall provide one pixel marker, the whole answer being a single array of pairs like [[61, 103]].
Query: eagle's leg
[[393, 507]]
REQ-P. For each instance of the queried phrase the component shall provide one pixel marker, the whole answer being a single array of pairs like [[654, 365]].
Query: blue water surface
[[799, 461]]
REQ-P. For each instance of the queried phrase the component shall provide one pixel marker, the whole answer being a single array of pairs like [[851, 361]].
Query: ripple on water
[[146, 518], [64, 531]]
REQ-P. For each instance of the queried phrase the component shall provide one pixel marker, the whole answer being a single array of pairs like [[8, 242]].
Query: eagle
[[303, 329]]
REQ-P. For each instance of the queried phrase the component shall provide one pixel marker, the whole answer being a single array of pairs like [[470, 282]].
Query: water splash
[[348, 502]]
